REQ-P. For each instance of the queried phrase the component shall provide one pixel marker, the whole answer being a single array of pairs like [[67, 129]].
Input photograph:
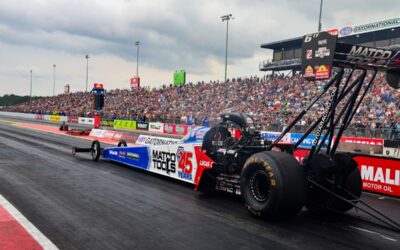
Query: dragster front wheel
[[95, 150], [273, 185]]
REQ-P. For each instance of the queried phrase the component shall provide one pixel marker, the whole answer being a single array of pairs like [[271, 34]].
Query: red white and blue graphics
[[184, 161]]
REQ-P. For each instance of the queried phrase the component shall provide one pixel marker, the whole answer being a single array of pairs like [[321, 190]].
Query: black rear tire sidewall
[[95, 150], [252, 204], [287, 188]]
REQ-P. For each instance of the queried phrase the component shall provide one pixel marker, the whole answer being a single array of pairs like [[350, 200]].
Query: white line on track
[[372, 232], [27, 225]]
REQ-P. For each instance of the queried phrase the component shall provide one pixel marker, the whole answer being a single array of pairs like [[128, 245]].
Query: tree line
[[9, 100]]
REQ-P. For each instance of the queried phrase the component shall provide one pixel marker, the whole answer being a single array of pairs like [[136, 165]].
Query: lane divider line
[[27, 225], [7, 121], [372, 232]]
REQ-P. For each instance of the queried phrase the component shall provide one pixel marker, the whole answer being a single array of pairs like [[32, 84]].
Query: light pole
[[87, 70], [137, 44], [320, 14], [30, 91], [226, 18], [54, 79]]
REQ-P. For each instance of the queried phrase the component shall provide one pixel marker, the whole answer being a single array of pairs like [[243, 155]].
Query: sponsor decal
[[379, 174], [122, 154], [133, 156], [206, 164], [322, 52], [309, 72], [345, 31], [153, 140], [185, 164], [309, 54], [164, 161], [39, 117], [322, 72], [112, 152]]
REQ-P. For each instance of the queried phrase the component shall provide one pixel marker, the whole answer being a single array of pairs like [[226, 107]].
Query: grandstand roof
[[356, 39], [287, 43], [378, 34]]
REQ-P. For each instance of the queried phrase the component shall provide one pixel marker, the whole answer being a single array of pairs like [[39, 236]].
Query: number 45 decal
[[185, 160]]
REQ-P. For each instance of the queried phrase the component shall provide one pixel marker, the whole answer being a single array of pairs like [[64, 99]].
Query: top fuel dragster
[[265, 173]]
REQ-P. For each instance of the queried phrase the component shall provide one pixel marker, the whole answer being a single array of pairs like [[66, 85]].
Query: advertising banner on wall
[[156, 127], [72, 119], [86, 120], [125, 124], [142, 125], [361, 140], [181, 129], [169, 128], [272, 136]]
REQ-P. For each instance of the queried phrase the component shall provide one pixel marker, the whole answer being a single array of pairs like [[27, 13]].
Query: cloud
[[175, 34]]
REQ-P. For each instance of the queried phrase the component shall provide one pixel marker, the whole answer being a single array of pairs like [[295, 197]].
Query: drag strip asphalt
[[80, 204]]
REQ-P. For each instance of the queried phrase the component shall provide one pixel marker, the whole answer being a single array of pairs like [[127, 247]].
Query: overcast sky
[[175, 35]]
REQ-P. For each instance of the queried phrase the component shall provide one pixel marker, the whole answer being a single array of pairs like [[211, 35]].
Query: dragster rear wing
[[321, 52]]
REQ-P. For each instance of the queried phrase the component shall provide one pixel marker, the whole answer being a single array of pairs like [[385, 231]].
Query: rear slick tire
[[273, 185]]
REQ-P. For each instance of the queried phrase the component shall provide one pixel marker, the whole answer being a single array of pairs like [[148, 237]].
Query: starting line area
[[16, 232]]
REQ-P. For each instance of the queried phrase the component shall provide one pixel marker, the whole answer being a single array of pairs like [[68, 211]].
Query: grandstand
[[272, 102], [287, 53]]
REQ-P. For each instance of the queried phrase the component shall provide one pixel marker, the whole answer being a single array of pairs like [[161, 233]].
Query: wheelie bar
[[80, 150]]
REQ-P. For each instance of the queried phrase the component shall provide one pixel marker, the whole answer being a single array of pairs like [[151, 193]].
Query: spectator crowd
[[272, 101]]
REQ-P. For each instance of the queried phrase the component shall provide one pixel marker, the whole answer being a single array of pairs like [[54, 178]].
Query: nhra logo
[[346, 31], [185, 165]]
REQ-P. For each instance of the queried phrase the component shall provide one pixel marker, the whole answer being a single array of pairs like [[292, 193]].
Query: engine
[[232, 141]]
